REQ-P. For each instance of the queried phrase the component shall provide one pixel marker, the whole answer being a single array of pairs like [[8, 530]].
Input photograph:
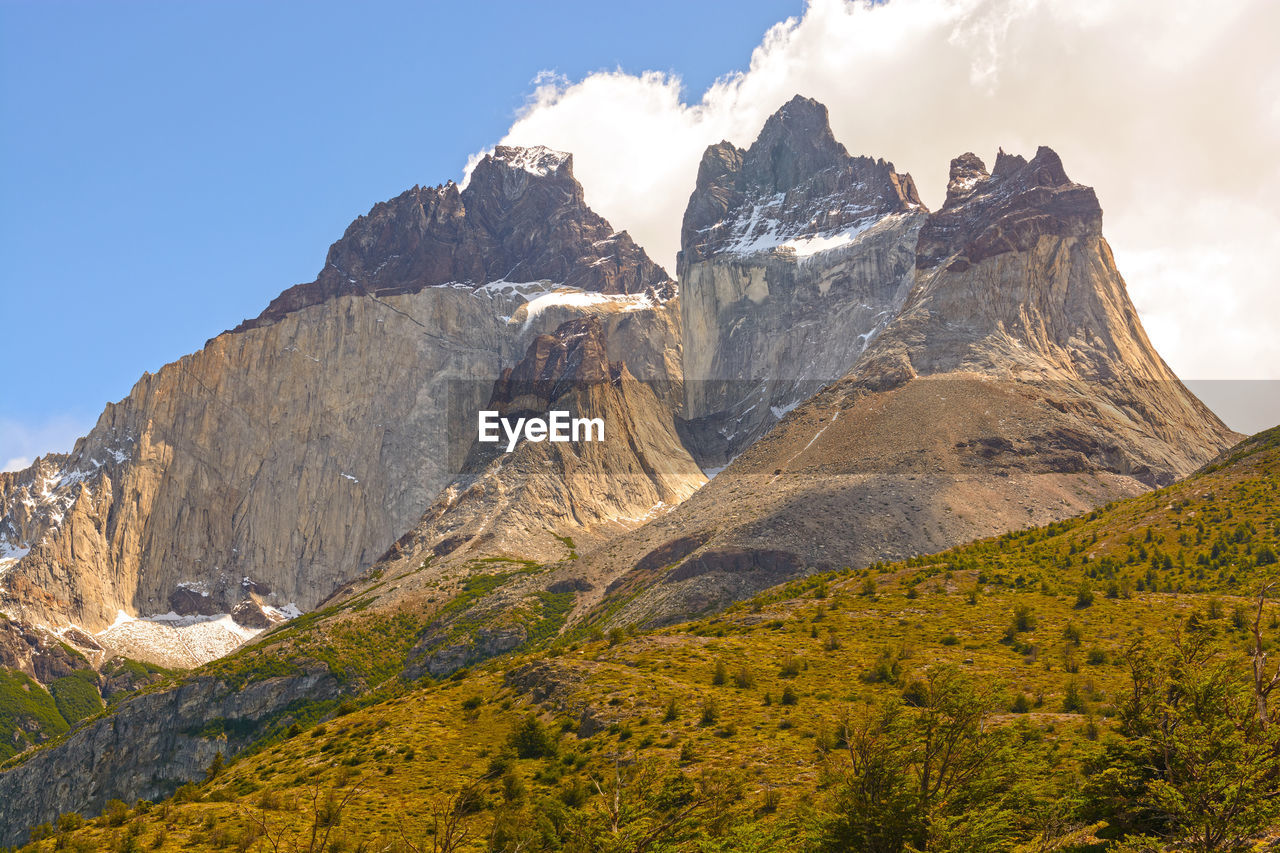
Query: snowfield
[[178, 641]]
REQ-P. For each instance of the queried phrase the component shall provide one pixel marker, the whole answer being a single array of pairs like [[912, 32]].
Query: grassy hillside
[[1047, 689], [34, 714]]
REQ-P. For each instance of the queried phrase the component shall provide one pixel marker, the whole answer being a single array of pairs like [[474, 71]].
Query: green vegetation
[[569, 545], [28, 714], [76, 695], [1087, 686]]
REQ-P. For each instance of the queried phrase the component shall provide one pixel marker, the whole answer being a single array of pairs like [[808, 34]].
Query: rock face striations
[[526, 502], [794, 255], [286, 456]]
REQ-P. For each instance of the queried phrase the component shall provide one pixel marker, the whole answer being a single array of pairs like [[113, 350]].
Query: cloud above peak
[[1170, 111]]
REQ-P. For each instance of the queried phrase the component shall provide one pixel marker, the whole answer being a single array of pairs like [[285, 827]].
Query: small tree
[[1199, 762], [531, 739], [925, 779]]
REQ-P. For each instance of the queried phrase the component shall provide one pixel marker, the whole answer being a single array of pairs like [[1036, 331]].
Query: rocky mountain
[[287, 455], [516, 519], [865, 380], [794, 256], [1014, 386], [521, 217]]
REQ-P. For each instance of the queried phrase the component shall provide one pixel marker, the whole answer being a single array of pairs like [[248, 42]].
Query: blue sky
[[169, 167]]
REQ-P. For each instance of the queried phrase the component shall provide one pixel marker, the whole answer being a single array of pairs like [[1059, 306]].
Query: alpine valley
[[901, 536]]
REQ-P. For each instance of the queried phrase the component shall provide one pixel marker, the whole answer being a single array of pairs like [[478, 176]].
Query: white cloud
[[17, 463], [21, 442], [1170, 110]]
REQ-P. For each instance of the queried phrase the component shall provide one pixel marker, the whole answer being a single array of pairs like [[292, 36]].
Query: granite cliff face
[[286, 456], [149, 745], [516, 523], [524, 503], [794, 256], [1013, 385]]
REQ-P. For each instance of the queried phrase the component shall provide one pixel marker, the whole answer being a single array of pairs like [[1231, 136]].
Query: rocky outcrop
[[521, 217], [793, 256], [1008, 210], [37, 653], [284, 458], [525, 502], [148, 746]]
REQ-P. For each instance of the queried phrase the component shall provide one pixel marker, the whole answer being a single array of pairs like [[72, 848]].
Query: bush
[[116, 813], [710, 713], [1072, 702], [936, 778], [720, 674], [887, 669], [1084, 595], [215, 768], [916, 694], [76, 695], [744, 679], [531, 739], [69, 822], [790, 667], [789, 696]]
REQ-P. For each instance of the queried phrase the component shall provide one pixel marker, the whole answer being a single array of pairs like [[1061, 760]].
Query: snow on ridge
[[537, 160], [769, 226], [780, 412], [572, 297], [284, 614], [9, 551]]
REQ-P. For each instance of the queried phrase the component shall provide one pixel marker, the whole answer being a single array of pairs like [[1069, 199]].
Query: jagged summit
[[521, 217], [771, 309], [1006, 210], [795, 189], [535, 159], [795, 143]]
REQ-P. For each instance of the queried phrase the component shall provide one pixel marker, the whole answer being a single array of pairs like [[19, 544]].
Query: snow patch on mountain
[[172, 640]]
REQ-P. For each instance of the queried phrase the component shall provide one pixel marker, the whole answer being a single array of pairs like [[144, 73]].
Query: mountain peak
[[967, 171], [501, 180], [795, 143], [521, 217], [1006, 210], [795, 182], [537, 160]]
